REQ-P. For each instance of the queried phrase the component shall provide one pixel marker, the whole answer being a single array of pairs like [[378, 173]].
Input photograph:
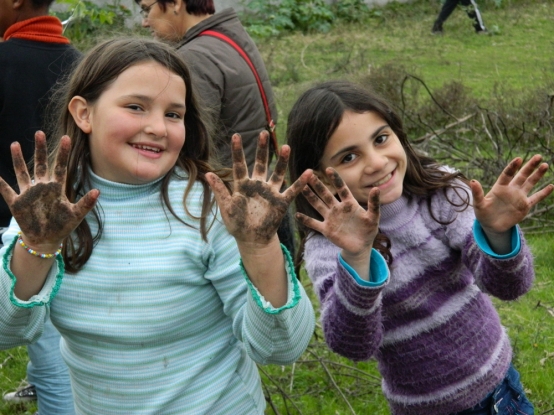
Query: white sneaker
[[26, 394]]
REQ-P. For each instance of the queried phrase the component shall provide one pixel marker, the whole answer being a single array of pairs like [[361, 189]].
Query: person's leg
[[470, 7], [49, 374], [447, 9], [510, 397]]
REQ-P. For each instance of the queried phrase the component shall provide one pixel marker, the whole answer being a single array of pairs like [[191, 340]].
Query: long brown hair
[[314, 118], [94, 74]]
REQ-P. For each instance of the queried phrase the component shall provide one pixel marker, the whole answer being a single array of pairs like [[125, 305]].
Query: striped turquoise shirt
[[159, 321]]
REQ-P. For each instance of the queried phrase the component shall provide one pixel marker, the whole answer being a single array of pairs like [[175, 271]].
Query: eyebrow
[[148, 99], [352, 148]]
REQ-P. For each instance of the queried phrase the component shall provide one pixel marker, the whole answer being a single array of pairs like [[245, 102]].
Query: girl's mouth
[[146, 148], [383, 180]]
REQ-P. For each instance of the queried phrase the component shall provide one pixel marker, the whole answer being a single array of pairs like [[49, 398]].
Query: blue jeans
[[49, 374], [508, 398]]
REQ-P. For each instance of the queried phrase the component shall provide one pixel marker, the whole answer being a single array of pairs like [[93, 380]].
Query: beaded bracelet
[[35, 253]]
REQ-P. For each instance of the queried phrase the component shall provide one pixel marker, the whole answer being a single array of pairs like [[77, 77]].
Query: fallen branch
[[285, 395], [434, 134], [337, 387]]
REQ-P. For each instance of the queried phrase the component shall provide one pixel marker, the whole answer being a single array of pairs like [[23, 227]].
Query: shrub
[[264, 18], [84, 20], [478, 137]]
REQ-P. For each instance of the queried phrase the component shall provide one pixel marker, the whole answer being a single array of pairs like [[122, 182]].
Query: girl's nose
[[144, 22], [155, 125], [375, 162]]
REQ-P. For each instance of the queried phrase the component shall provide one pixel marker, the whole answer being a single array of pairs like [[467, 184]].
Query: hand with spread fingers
[[254, 209], [508, 202], [252, 212], [345, 223], [41, 209]]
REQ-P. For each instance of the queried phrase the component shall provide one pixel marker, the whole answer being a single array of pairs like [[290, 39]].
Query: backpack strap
[[270, 123]]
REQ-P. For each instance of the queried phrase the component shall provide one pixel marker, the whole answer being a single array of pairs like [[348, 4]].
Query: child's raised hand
[[253, 211], [507, 203], [41, 209], [345, 223]]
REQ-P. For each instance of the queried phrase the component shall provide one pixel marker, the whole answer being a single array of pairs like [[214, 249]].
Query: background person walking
[[469, 6]]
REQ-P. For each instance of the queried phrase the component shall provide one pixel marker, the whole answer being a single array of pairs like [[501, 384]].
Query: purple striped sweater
[[432, 327]]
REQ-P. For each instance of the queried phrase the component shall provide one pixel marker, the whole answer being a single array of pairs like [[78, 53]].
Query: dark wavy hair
[[93, 75], [314, 118]]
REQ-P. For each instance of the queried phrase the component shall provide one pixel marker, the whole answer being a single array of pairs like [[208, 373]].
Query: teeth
[[383, 180], [155, 150]]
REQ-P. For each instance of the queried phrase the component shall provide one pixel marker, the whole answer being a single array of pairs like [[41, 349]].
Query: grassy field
[[517, 56]]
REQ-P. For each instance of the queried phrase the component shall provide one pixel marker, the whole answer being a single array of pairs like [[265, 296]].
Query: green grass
[[530, 324], [13, 365], [516, 56]]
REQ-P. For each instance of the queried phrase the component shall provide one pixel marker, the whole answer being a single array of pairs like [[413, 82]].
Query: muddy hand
[[508, 202], [254, 209], [42, 210], [345, 222]]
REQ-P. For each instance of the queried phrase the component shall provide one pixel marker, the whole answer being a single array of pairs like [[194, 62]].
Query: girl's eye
[[134, 107], [381, 139], [175, 115], [348, 158]]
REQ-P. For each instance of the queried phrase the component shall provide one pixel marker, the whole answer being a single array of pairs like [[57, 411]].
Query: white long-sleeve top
[[159, 321]]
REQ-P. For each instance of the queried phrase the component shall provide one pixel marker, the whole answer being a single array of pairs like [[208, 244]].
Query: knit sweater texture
[[432, 327], [159, 321]]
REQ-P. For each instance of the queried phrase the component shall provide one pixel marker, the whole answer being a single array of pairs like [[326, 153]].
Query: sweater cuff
[[483, 244], [378, 270], [293, 296], [50, 287]]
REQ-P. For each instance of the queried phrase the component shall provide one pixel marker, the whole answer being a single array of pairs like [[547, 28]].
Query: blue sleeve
[[378, 270], [483, 243]]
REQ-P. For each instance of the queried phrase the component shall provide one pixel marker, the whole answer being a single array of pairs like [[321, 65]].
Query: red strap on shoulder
[[228, 40]]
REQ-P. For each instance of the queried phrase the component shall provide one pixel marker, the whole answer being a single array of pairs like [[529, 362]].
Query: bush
[[85, 20], [478, 137], [264, 18]]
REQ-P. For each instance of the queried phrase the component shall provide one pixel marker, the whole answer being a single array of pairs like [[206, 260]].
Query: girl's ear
[[325, 180], [80, 111]]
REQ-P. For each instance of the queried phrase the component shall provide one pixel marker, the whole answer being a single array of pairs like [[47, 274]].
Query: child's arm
[[351, 313], [345, 223], [43, 213], [507, 203], [252, 213], [350, 304]]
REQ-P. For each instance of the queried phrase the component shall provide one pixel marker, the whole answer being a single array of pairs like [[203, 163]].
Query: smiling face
[[136, 128], [366, 153]]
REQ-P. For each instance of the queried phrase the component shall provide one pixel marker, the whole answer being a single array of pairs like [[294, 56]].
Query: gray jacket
[[225, 82]]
